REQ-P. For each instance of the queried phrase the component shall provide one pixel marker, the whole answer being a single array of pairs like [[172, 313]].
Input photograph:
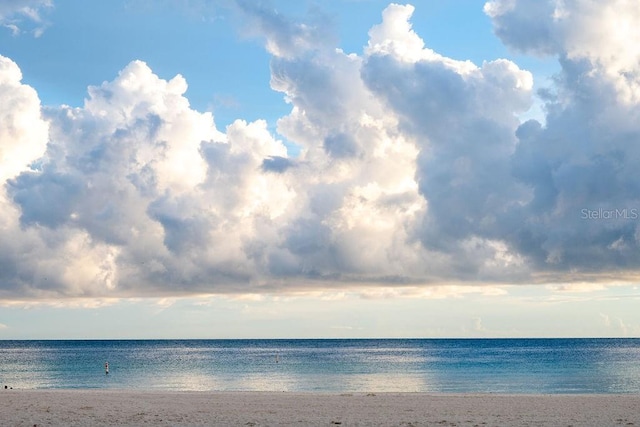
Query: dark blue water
[[442, 365]]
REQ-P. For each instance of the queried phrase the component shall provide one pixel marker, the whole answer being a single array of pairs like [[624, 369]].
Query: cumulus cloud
[[23, 133], [146, 190], [414, 170], [581, 213], [462, 118], [23, 138], [598, 37]]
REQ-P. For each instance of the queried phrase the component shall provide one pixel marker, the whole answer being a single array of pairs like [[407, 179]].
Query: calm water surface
[[441, 365]]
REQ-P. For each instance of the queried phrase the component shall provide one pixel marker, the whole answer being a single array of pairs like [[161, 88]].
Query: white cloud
[[138, 192], [395, 37], [602, 33], [13, 28], [582, 162], [285, 38], [462, 118], [14, 13], [577, 287], [616, 324], [23, 138], [23, 133], [415, 176]]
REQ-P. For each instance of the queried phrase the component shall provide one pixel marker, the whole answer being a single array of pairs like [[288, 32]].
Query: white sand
[[136, 408]]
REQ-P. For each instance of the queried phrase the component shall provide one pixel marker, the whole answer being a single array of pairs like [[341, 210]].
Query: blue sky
[[84, 44], [221, 169]]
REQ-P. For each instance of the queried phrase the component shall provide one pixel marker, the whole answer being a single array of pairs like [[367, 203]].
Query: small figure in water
[[106, 368]]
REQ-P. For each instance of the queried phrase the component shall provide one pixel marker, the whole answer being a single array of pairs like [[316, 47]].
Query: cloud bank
[[414, 168]]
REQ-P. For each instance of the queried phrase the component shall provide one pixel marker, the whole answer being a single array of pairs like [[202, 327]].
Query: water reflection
[[509, 366]]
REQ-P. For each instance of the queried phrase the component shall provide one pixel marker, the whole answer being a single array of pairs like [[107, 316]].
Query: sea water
[[333, 365]]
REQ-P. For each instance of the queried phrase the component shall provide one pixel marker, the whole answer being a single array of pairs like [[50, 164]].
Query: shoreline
[[97, 407]]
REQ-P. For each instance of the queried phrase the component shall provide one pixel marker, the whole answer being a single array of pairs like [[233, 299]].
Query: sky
[[338, 169]]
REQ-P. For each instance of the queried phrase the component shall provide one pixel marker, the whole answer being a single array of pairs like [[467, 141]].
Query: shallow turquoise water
[[440, 365]]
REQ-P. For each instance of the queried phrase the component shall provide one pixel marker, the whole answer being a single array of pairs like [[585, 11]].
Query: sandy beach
[[162, 408]]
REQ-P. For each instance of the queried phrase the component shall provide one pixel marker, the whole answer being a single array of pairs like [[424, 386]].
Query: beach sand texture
[[138, 408]]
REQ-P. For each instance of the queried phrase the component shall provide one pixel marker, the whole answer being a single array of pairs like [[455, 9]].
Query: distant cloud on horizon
[[414, 168]]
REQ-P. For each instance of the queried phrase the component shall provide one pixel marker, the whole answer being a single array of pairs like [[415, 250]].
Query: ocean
[[328, 365]]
